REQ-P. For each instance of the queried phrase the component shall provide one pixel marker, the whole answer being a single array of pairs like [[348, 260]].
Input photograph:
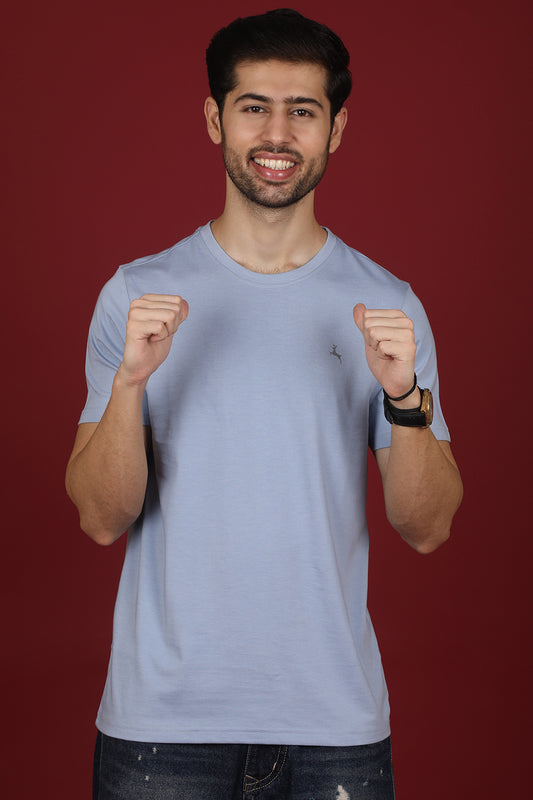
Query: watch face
[[427, 406]]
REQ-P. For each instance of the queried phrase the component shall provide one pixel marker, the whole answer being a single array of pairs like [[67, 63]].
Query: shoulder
[[381, 286], [151, 274], [181, 252]]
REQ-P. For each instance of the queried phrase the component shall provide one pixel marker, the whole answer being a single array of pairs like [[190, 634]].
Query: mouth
[[274, 169], [276, 164]]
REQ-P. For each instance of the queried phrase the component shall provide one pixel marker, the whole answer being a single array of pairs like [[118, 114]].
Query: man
[[234, 450]]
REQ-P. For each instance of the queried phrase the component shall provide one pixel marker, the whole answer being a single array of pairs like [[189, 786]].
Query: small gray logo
[[334, 353]]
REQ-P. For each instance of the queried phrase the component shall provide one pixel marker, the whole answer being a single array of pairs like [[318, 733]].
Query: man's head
[[280, 35]]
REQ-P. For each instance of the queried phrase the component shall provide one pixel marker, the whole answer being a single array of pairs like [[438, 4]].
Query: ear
[[339, 124], [212, 117]]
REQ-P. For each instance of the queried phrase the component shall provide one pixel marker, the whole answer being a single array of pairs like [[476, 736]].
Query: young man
[[234, 449]]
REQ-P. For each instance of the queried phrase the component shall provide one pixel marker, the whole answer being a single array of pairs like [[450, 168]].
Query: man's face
[[276, 131]]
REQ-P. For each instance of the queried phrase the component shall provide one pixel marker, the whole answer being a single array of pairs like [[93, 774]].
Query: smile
[[272, 163]]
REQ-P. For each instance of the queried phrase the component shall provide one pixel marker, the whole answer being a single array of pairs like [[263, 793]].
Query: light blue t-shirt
[[241, 613]]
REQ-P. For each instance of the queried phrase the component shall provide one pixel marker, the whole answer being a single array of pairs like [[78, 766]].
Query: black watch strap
[[420, 417]]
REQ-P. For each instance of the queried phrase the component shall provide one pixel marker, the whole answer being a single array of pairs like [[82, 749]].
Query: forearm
[[106, 475], [422, 487]]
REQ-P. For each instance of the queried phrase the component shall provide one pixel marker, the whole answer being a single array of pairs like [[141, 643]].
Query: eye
[[302, 112], [254, 109]]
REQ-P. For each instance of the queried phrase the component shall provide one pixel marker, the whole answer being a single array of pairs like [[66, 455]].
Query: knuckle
[[172, 316]]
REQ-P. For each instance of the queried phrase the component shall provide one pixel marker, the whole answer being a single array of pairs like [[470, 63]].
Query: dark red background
[[108, 160]]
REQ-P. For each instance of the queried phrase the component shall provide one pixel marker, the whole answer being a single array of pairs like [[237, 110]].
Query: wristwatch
[[420, 417]]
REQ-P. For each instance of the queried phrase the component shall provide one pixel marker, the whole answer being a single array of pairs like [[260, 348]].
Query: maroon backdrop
[[108, 160]]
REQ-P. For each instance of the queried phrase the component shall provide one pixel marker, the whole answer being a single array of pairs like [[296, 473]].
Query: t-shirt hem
[[191, 736]]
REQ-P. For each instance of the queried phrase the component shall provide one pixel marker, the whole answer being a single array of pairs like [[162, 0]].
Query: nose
[[277, 127]]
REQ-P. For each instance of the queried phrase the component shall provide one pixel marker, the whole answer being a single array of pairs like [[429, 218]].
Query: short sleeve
[[105, 348], [427, 374]]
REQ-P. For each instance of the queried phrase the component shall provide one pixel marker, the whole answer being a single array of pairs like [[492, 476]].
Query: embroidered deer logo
[[334, 353]]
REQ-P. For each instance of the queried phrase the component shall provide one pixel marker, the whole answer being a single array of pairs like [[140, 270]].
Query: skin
[[263, 238], [284, 134], [276, 111]]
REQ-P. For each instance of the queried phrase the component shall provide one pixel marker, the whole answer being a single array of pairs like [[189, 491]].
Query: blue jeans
[[125, 770]]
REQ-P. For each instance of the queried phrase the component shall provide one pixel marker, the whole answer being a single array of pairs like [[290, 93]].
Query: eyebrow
[[290, 101]]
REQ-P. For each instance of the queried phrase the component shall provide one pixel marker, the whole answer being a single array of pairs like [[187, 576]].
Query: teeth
[[274, 164]]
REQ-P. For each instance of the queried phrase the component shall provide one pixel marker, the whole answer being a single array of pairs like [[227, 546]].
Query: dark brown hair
[[285, 35]]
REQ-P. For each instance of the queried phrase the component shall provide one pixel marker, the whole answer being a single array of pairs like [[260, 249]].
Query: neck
[[269, 240]]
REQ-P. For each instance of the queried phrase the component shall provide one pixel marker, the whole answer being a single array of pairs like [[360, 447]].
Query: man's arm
[[421, 482], [421, 485], [107, 470]]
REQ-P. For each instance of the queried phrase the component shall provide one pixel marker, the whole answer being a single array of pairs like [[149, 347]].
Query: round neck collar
[[270, 279]]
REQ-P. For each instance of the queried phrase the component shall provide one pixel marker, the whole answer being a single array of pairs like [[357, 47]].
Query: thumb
[[358, 312]]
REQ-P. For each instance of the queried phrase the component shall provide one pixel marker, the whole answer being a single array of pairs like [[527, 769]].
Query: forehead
[[279, 79]]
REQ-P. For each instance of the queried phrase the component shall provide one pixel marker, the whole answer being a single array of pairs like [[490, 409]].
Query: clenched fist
[[153, 320], [389, 345]]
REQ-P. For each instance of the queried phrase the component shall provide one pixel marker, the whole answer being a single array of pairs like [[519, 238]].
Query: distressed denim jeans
[[125, 770]]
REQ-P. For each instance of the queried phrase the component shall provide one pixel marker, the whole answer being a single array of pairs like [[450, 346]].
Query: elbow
[[431, 537], [427, 528], [97, 529], [431, 543], [104, 529], [423, 537], [102, 536], [101, 524]]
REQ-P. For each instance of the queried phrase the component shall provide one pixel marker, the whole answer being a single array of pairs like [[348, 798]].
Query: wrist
[[412, 401], [125, 381], [408, 400]]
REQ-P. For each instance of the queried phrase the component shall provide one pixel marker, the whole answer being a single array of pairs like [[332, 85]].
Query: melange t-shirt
[[241, 614]]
